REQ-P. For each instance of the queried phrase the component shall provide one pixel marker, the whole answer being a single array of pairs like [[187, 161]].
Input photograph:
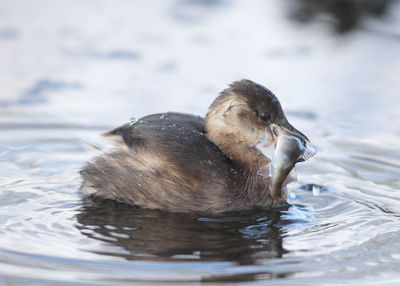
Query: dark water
[[72, 70]]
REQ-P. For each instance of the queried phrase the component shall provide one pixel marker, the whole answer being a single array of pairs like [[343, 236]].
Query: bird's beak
[[291, 147]]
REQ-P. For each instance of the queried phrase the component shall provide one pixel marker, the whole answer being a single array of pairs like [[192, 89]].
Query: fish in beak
[[291, 147]]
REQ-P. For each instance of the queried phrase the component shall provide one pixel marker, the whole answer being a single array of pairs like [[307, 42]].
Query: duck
[[185, 163]]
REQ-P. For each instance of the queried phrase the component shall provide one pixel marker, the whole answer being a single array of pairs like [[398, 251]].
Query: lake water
[[71, 70]]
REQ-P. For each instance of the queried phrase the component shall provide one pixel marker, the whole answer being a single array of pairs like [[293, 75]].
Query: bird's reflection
[[346, 14], [242, 238]]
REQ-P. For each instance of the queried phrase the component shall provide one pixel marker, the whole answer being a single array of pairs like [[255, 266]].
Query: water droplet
[[132, 121], [209, 162], [140, 174], [162, 116], [316, 190]]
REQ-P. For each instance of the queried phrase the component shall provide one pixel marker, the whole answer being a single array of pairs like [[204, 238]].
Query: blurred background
[[98, 62], [71, 70]]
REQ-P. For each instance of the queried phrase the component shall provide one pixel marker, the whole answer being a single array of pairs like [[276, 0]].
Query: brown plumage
[[184, 163]]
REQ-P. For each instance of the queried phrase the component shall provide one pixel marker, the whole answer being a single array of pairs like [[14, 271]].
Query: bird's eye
[[265, 116]]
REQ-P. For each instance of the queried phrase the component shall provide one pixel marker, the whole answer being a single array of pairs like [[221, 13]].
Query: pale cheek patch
[[228, 106], [225, 118], [220, 120]]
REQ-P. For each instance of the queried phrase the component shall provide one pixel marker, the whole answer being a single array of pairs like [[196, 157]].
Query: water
[[72, 70]]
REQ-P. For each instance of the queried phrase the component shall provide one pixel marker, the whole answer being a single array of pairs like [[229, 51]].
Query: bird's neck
[[241, 154], [251, 187]]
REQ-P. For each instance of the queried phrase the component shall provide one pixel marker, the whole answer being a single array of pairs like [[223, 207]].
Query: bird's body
[[185, 163], [146, 165]]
